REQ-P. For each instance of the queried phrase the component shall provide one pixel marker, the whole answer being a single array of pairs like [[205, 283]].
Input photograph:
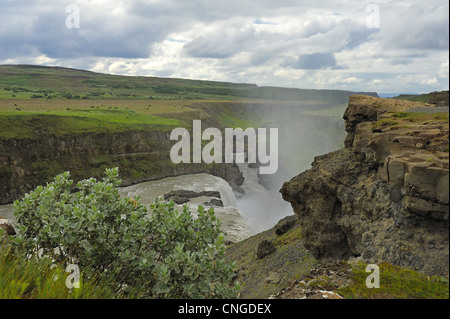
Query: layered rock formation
[[140, 155], [384, 196]]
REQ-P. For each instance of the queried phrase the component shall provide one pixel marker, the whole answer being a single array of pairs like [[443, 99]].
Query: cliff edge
[[385, 195]]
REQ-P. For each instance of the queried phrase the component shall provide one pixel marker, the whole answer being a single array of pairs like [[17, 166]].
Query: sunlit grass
[[28, 124], [39, 279], [396, 283]]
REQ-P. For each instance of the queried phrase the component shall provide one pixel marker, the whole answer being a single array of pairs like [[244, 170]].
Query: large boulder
[[265, 248]]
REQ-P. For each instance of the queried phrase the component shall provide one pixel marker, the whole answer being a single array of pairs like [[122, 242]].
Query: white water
[[263, 208]]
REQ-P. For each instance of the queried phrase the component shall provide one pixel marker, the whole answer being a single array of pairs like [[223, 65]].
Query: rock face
[[385, 196], [140, 156], [439, 98]]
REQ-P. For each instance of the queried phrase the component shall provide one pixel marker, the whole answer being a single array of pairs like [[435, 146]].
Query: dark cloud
[[315, 61], [100, 34]]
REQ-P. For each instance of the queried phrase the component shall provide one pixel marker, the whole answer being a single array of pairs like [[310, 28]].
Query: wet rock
[[183, 196], [178, 199], [214, 202]]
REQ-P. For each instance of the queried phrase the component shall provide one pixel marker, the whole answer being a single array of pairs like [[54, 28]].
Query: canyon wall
[[140, 155], [385, 195]]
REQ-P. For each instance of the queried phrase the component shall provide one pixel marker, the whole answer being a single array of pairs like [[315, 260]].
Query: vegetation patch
[[261, 278], [383, 123], [396, 283], [41, 279], [29, 124], [438, 98], [419, 117], [48, 83]]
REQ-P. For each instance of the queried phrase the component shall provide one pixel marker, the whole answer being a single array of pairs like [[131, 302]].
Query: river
[[241, 217]]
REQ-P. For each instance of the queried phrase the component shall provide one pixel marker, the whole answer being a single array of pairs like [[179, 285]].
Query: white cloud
[[306, 44], [431, 81], [444, 70]]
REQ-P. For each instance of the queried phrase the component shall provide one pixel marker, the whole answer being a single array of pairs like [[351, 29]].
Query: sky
[[376, 46]]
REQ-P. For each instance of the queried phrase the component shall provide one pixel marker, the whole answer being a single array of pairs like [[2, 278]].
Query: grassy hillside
[[27, 124], [261, 278], [38, 100], [40, 82], [439, 98]]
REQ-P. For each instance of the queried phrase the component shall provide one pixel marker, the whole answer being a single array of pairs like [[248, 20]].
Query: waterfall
[[226, 192], [251, 185], [263, 208], [256, 210]]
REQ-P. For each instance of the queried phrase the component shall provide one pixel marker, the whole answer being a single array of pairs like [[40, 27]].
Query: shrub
[[401, 115], [166, 254]]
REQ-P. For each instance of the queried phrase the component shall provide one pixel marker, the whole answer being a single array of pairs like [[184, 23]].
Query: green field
[[47, 83], [26, 124], [37, 100]]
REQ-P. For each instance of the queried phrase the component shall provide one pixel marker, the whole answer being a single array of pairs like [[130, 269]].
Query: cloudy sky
[[382, 46]]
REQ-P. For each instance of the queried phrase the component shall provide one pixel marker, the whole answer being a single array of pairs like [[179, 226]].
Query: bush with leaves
[[164, 254]]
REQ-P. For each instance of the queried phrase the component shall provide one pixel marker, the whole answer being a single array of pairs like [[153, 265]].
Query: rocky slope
[[385, 195], [272, 260]]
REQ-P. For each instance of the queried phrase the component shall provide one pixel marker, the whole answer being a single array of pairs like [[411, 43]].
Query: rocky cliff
[[385, 195], [140, 155]]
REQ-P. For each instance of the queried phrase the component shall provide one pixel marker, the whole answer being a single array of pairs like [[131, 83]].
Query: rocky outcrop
[[7, 227], [265, 248], [384, 197], [439, 98]]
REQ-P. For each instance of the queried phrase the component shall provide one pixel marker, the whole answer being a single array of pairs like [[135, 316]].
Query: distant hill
[[439, 98], [390, 95], [45, 82]]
